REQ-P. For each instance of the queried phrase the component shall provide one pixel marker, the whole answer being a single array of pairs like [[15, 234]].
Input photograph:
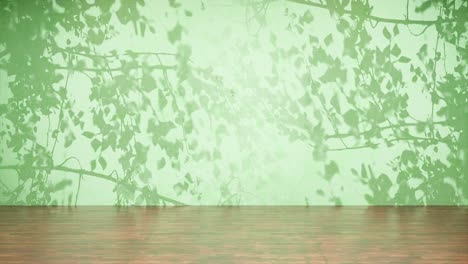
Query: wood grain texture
[[234, 235]]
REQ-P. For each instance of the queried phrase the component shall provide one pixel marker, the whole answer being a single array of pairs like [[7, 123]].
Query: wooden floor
[[234, 235]]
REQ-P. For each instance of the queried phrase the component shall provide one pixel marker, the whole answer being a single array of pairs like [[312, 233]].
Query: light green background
[[259, 164]]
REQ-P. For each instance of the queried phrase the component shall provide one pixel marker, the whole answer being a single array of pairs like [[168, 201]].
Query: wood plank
[[248, 234]]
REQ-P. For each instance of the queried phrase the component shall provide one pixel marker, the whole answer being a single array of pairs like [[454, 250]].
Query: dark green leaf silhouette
[[386, 33], [351, 118], [330, 170], [175, 34]]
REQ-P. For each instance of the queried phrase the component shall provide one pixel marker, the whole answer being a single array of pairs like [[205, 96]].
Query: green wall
[[247, 102]]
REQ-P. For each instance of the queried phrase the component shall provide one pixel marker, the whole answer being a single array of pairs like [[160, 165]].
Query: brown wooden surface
[[234, 235]]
